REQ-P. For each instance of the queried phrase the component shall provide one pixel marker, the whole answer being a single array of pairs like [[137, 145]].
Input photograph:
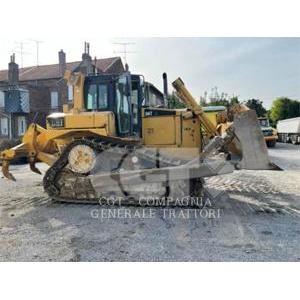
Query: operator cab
[[264, 122], [124, 95]]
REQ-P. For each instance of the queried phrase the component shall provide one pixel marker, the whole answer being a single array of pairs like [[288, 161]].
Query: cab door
[[137, 97], [123, 105]]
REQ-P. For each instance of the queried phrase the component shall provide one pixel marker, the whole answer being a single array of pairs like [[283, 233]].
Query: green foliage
[[284, 108], [224, 102], [234, 100], [214, 98], [272, 123], [257, 105], [174, 102]]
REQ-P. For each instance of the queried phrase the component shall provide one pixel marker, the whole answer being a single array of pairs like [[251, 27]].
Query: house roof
[[154, 88], [52, 71]]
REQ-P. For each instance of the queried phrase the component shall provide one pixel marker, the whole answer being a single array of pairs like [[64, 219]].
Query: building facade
[[29, 94]]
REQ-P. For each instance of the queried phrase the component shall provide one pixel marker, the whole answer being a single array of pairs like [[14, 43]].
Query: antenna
[[21, 50], [124, 51], [37, 44]]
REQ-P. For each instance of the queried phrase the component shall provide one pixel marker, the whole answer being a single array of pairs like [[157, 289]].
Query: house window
[[54, 100], [21, 125], [70, 92], [2, 102], [4, 126]]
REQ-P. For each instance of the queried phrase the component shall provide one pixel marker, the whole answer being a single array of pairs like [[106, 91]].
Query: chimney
[[62, 62], [13, 71], [86, 59]]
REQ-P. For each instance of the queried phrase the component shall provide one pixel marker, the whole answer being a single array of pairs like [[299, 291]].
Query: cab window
[[97, 97], [92, 97], [103, 96], [264, 122], [123, 109]]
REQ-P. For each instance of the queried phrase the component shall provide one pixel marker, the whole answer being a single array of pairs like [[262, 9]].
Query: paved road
[[252, 216], [287, 155]]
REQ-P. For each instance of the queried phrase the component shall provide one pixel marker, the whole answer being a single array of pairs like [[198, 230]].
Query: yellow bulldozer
[[112, 142]]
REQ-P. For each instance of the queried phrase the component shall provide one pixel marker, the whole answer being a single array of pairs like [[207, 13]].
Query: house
[[29, 94], [153, 96]]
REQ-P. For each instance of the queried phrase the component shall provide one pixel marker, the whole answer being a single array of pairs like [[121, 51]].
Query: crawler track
[[113, 155]]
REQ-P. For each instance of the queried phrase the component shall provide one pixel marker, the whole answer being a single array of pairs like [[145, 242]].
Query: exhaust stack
[[165, 84]]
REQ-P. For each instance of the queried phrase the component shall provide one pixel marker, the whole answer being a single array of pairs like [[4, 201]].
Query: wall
[[40, 95], [40, 98]]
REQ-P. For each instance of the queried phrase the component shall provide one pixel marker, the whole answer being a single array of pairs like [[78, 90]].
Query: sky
[[261, 68]]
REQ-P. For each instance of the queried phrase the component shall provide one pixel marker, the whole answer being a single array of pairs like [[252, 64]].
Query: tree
[[174, 102], [225, 102], [272, 123], [216, 98], [234, 100], [222, 102], [256, 105], [284, 108]]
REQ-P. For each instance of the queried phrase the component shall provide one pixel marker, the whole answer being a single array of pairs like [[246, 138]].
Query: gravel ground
[[252, 216]]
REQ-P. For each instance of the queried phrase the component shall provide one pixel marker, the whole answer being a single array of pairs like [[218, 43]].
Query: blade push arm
[[194, 107]]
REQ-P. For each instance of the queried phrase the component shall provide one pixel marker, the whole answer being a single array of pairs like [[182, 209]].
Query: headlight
[[56, 122]]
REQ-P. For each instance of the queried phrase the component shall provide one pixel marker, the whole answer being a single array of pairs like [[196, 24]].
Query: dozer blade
[[5, 170], [251, 143]]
